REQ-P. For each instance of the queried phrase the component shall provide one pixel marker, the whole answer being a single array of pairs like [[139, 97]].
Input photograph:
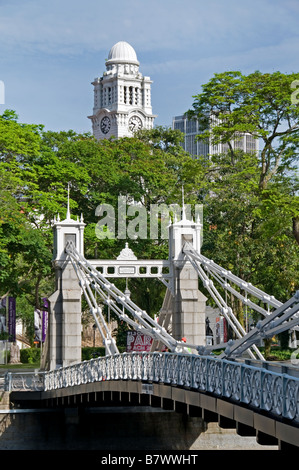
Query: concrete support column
[[64, 321], [54, 334], [71, 315], [188, 303], [189, 306]]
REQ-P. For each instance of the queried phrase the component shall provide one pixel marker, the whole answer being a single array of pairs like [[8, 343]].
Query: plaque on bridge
[[126, 270]]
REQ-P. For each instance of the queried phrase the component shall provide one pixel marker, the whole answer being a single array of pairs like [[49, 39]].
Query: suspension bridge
[[236, 388]]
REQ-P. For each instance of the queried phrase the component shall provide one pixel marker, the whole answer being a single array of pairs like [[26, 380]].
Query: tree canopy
[[258, 104], [251, 207], [36, 168], [252, 200]]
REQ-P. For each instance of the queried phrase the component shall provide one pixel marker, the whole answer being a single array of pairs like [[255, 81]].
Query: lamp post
[[94, 334]]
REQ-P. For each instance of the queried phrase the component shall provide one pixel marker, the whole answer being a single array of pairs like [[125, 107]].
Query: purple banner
[[12, 319], [3, 317]]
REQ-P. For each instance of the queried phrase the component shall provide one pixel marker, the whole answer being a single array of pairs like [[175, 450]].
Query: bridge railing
[[256, 387], [25, 381]]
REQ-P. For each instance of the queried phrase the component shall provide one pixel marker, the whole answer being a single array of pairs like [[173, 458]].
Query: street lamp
[[94, 334]]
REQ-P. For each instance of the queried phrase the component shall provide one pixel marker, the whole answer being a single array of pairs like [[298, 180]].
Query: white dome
[[122, 53]]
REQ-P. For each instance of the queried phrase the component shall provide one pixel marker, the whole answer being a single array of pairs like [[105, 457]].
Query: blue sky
[[51, 51]]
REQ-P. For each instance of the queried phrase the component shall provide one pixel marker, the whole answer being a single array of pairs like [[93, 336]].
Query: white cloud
[[51, 51], [73, 27]]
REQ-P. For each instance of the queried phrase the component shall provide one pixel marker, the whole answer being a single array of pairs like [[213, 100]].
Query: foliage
[[36, 168], [251, 200], [251, 210], [30, 355], [259, 104], [91, 353], [262, 106], [278, 354], [245, 232]]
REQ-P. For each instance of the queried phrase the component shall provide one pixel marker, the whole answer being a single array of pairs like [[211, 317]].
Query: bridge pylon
[[64, 320], [188, 304]]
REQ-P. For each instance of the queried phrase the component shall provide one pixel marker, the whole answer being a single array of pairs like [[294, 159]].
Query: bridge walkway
[[256, 401]]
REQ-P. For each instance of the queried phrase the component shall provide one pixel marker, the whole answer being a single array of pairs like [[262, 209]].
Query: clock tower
[[122, 96]]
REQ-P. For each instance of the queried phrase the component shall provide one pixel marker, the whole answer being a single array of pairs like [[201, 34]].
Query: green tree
[[251, 200], [36, 169], [261, 105], [142, 171]]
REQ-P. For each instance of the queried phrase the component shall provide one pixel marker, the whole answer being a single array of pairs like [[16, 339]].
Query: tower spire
[[68, 212], [183, 204], [129, 112]]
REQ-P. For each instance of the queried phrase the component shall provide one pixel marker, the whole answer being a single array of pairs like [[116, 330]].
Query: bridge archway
[[183, 307], [184, 304]]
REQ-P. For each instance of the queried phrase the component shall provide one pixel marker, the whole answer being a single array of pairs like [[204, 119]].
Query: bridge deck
[[253, 400]]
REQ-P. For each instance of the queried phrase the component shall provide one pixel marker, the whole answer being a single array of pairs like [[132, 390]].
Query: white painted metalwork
[[93, 282], [224, 277], [252, 385], [128, 265], [281, 319], [132, 268], [27, 381], [284, 317]]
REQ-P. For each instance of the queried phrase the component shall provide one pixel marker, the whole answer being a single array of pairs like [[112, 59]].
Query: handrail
[[256, 387]]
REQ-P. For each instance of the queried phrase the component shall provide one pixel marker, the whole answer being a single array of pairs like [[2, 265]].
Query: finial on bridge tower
[[184, 230], [184, 217], [67, 230], [183, 204], [68, 212]]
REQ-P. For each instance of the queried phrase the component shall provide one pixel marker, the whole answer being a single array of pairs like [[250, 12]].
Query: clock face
[[105, 125], [135, 123]]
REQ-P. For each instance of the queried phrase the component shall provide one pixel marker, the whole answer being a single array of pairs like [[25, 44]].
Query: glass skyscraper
[[195, 147]]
